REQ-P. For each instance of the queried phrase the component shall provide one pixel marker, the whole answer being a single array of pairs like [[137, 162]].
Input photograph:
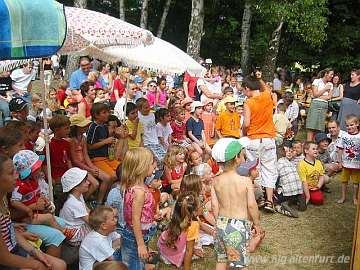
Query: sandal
[[261, 203], [269, 207], [286, 212]]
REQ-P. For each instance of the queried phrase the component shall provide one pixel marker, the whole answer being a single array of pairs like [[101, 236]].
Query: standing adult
[[55, 60], [338, 94], [350, 104], [22, 78], [322, 89], [277, 83], [48, 72], [292, 110], [88, 94], [133, 94], [260, 128], [79, 76], [189, 86], [104, 78], [5, 87]]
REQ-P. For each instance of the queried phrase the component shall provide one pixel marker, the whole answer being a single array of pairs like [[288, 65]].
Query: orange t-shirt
[[261, 116], [228, 124]]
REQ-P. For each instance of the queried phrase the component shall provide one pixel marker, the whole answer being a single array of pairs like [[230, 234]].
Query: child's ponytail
[[184, 212]]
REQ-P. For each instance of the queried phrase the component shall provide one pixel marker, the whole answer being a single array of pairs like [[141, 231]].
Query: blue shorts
[[48, 235]]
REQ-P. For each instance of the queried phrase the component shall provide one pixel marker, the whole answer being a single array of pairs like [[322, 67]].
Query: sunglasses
[[152, 85]]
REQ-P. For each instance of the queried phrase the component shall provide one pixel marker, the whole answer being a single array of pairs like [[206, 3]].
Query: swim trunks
[[231, 241]]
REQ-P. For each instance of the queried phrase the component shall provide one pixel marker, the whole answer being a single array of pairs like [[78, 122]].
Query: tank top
[[87, 108], [79, 146], [147, 212]]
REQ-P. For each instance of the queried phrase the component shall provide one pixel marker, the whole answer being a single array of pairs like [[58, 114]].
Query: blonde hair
[[201, 169], [170, 158], [135, 166], [93, 76], [99, 215], [352, 118]]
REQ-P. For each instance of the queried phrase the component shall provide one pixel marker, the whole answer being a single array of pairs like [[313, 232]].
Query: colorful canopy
[[89, 28], [31, 28]]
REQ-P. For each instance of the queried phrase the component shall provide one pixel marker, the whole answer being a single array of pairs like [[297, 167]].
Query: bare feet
[[342, 200]]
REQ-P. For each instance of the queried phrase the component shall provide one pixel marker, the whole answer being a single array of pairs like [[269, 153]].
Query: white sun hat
[[72, 177]]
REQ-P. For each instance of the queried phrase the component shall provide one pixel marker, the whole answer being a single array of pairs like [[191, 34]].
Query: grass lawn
[[321, 230]]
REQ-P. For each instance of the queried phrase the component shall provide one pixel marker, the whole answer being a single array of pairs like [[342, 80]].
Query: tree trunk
[[196, 28], [80, 3], [144, 14], [72, 61], [163, 18], [245, 37], [122, 9], [272, 53]]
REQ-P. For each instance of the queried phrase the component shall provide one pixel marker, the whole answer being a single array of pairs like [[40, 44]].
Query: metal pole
[[46, 132]]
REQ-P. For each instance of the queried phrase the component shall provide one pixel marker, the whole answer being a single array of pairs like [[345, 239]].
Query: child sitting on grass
[[99, 141], [28, 197], [237, 207], [74, 211], [163, 128], [136, 130], [80, 157], [175, 167], [298, 153], [323, 141], [176, 244], [195, 127], [312, 174], [151, 141], [289, 190], [100, 244], [349, 153]]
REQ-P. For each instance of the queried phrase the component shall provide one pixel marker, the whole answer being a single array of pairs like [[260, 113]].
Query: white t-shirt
[[55, 60], [332, 149], [21, 80], [96, 248], [73, 211], [351, 151], [164, 132], [149, 125], [319, 83], [277, 84], [119, 108]]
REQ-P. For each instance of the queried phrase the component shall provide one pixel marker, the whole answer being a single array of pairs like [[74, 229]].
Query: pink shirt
[[151, 97]]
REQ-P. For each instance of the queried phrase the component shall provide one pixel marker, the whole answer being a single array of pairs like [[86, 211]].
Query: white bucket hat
[[72, 177]]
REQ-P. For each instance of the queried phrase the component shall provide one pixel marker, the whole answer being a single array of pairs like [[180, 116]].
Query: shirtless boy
[[237, 207]]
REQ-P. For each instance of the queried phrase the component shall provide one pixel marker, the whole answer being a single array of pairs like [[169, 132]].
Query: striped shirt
[[7, 231]]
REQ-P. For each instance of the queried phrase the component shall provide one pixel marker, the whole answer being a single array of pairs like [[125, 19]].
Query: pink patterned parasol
[[87, 28]]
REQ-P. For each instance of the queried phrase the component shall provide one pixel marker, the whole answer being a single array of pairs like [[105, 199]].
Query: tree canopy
[[316, 32]]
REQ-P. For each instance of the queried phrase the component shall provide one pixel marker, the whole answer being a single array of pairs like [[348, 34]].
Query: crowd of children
[[160, 164]]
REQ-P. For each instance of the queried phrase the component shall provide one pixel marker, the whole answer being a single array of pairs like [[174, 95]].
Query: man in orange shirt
[[228, 122], [260, 128]]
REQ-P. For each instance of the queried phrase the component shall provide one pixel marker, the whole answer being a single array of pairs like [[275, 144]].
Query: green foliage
[[321, 32]]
